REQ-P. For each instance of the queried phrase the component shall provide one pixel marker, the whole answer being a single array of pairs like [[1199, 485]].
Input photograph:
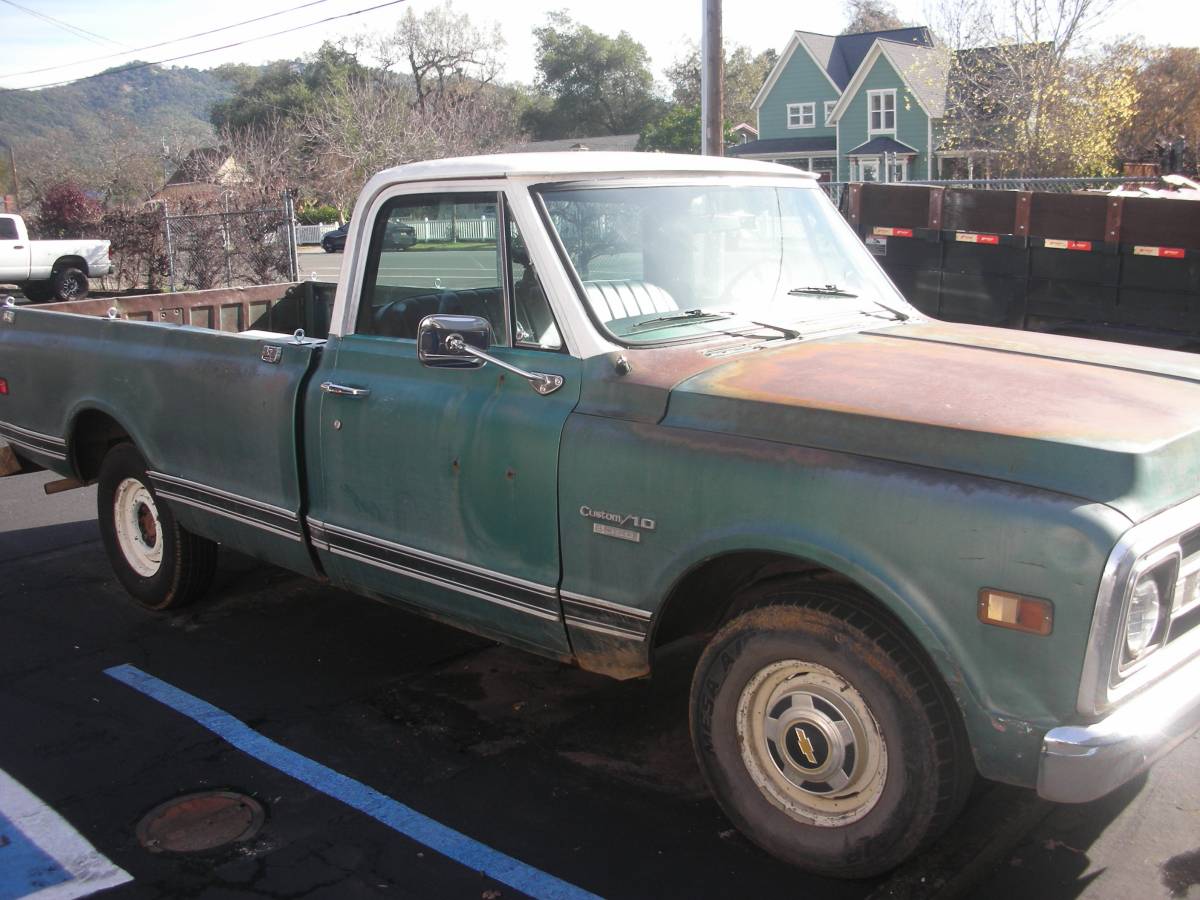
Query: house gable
[[797, 80], [912, 120]]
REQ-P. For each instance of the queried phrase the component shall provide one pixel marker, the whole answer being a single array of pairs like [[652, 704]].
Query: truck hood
[[1108, 423]]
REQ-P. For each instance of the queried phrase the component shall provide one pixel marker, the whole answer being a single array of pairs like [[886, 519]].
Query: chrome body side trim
[[34, 441], [332, 532], [244, 510], [447, 583], [517, 594], [605, 617]]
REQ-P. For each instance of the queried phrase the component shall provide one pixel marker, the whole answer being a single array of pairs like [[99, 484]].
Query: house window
[[881, 111], [868, 169], [829, 105], [801, 115]]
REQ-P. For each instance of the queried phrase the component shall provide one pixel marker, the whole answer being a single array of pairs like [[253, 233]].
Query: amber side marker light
[[1007, 610]]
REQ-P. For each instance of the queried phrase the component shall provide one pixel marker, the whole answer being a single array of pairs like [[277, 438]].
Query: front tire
[[70, 283], [825, 735], [160, 563]]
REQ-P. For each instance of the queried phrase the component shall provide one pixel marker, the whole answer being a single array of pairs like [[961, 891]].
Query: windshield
[[668, 262]]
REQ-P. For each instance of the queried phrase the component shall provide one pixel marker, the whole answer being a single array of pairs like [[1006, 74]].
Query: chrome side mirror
[[459, 342], [442, 341]]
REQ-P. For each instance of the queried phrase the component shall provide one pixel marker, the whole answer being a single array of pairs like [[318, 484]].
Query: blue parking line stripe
[[353, 793]]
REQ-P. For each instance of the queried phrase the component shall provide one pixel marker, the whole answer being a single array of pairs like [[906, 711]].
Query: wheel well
[[92, 436], [64, 262], [714, 592]]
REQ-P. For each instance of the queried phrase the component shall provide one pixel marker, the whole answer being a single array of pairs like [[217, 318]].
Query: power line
[[262, 37], [65, 26], [177, 40]]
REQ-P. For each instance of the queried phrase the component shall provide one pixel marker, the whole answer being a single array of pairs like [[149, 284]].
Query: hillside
[[152, 98]]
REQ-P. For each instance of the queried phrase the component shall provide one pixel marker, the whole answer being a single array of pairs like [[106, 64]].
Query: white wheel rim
[[811, 744], [139, 534]]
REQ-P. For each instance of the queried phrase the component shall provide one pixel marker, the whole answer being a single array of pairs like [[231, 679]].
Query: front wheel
[[825, 736], [160, 563]]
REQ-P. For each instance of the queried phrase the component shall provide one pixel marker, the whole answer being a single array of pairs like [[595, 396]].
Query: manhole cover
[[198, 822]]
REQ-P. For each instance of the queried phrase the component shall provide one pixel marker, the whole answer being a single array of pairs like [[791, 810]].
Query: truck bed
[[208, 385], [278, 308]]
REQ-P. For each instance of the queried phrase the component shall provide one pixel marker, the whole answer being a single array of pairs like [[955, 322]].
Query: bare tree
[[266, 159], [443, 52], [365, 125]]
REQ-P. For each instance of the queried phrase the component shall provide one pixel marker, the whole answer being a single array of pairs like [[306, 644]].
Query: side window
[[431, 254], [533, 322], [8, 229]]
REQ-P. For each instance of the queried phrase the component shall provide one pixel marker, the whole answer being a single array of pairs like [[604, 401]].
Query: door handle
[[343, 390], [18, 246]]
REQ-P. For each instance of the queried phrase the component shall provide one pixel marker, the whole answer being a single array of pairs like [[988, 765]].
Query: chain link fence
[[232, 247]]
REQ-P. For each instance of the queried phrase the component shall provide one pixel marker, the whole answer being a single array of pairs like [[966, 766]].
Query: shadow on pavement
[[29, 541]]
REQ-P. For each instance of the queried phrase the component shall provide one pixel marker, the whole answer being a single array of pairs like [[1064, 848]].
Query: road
[[584, 780], [434, 268]]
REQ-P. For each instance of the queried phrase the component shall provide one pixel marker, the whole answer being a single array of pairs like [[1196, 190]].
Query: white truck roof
[[580, 162]]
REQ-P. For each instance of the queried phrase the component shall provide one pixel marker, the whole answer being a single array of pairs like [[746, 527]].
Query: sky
[[112, 28]]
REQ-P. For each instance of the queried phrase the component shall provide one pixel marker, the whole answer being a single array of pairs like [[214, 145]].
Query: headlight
[[1145, 609]]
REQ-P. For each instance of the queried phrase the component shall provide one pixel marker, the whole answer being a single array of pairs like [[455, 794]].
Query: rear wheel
[[70, 283], [825, 736], [160, 563], [38, 291]]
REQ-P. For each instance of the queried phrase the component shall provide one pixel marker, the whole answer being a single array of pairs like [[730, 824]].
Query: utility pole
[[712, 81]]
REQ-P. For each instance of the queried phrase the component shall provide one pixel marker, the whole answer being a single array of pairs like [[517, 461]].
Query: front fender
[[920, 541]]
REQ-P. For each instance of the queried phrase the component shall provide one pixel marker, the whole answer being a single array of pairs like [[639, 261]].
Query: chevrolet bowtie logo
[[806, 746]]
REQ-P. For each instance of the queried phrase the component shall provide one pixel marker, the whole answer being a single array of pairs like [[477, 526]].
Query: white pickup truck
[[49, 270]]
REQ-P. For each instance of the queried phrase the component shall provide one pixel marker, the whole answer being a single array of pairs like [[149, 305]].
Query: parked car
[[904, 552], [49, 270], [396, 236], [335, 241]]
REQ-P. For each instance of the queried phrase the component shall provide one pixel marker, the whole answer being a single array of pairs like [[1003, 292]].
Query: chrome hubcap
[[811, 744], [138, 532]]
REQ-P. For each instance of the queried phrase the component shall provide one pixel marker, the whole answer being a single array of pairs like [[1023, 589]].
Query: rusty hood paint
[[1106, 423]]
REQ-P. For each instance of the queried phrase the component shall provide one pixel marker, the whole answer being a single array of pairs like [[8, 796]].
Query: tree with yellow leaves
[[1024, 98]]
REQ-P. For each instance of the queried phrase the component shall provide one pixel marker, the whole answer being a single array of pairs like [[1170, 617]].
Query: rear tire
[[825, 735], [70, 283], [38, 291], [159, 562]]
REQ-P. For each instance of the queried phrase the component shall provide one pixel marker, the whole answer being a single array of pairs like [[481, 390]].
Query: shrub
[[318, 214], [66, 212]]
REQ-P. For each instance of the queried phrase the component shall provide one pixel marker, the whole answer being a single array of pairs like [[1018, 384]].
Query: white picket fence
[[312, 234], [453, 229], [426, 229]]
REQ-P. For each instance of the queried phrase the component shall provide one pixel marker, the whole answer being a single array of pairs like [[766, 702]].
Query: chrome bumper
[[1081, 763]]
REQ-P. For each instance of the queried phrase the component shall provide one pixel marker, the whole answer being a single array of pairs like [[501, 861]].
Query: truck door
[[14, 251], [438, 486]]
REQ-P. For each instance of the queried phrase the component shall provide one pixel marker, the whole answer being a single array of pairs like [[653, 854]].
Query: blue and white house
[[854, 107]]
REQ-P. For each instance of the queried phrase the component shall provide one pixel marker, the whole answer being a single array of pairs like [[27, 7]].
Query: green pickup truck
[[669, 402]]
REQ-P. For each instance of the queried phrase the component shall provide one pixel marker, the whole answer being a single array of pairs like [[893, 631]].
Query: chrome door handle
[[344, 390]]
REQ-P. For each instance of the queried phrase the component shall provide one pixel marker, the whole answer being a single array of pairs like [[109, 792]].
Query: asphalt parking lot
[[584, 783]]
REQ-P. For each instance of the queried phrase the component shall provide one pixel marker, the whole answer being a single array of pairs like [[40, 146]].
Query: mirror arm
[[541, 382]]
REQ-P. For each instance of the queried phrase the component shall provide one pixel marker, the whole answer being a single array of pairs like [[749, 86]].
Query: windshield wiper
[[900, 316], [686, 317], [832, 290], [827, 290]]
